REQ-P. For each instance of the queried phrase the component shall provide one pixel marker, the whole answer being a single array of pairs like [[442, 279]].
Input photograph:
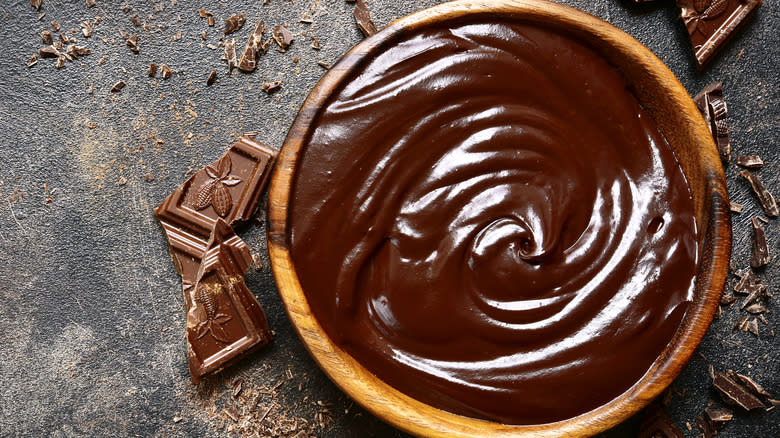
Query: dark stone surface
[[92, 326]]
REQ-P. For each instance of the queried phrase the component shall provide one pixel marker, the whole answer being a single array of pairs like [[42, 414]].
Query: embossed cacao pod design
[[717, 7], [221, 200], [203, 198], [701, 5]]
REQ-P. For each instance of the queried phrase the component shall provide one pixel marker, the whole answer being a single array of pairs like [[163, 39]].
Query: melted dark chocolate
[[486, 219]]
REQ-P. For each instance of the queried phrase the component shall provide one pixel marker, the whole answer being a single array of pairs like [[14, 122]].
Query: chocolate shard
[[283, 37], [719, 416], [48, 52], [204, 13], [657, 424], [735, 392], [234, 23], [749, 161], [224, 319], [212, 77], [735, 207], [46, 37], [33, 60], [230, 54], [152, 69], [253, 48], [706, 428], [753, 386], [760, 255], [118, 86], [713, 108], [711, 23], [363, 18], [764, 196], [271, 87]]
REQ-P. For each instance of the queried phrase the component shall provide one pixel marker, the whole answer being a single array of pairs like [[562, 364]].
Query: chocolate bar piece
[[711, 23], [211, 260], [734, 392], [713, 107], [765, 197], [224, 319]]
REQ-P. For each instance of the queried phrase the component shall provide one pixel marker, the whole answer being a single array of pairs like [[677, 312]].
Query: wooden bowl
[[661, 95]]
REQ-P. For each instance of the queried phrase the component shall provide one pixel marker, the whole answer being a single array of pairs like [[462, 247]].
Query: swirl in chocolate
[[486, 219]]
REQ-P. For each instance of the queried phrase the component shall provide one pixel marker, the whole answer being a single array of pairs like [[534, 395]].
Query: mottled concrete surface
[[92, 325]]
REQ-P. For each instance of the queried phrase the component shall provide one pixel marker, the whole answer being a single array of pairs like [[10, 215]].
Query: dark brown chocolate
[[253, 49], [749, 161], [713, 107], [765, 197], [734, 391], [363, 18], [211, 260], [464, 227], [152, 69], [711, 23], [234, 23], [657, 424], [760, 255], [212, 77], [166, 71]]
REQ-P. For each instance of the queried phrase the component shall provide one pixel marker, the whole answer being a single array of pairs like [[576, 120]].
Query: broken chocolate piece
[[212, 77], [764, 196], [363, 18], [46, 37], [753, 386], [750, 161], [657, 424], [132, 42], [48, 52], [204, 13], [315, 43], [230, 54], [760, 255], [234, 23], [118, 86], [752, 326], [224, 319], [33, 60], [719, 416], [35, 3], [60, 61], [736, 207], [152, 69], [270, 87], [735, 392], [282, 36], [166, 71], [55, 26], [728, 299], [711, 23], [252, 50], [86, 29], [713, 108], [755, 309], [741, 323]]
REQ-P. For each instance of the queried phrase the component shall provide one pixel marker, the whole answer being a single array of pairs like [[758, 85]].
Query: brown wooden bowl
[[661, 95]]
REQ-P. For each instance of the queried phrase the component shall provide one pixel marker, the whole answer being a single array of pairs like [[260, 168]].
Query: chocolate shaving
[[756, 308], [735, 207], [212, 77], [728, 299], [760, 255], [166, 71], [323, 64], [710, 23], [713, 108], [152, 69], [764, 196], [752, 326], [741, 323], [749, 161], [230, 54], [118, 86], [735, 392], [252, 50], [46, 37], [234, 23], [363, 18], [211, 21], [270, 87], [706, 428], [283, 37]]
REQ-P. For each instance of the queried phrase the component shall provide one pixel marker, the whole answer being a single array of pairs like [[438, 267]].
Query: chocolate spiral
[[487, 220]]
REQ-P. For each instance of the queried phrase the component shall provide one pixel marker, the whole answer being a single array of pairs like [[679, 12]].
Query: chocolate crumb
[[306, 18], [270, 87], [118, 86], [735, 207], [749, 161], [315, 43], [211, 21], [166, 71], [764, 196], [153, 70], [363, 18], [86, 29], [230, 54], [212, 77], [323, 64], [734, 392], [46, 37], [283, 37], [204, 13], [55, 26], [132, 42], [90, 3], [234, 23], [760, 255], [728, 299], [148, 177], [60, 61], [33, 60], [35, 3], [756, 308]]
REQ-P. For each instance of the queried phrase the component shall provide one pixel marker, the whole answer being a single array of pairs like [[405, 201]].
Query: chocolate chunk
[[760, 254], [230, 54], [711, 23], [86, 29], [46, 37], [132, 42], [750, 161], [735, 392], [752, 385], [752, 326], [283, 37], [55, 26], [363, 18], [728, 299], [75, 51], [252, 50], [742, 323], [33, 60], [736, 207], [224, 319], [211, 21], [706, 428], [118, 86], [234, 23], [152, 69], [657, 424], [35, 3], [755, 309], [719, 416], [764, 196], [713, 107], [212, 77], [48, 52], [270, 87], [166, 71]]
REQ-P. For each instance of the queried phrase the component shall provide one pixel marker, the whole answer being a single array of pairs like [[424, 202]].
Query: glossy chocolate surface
[[486, 219]]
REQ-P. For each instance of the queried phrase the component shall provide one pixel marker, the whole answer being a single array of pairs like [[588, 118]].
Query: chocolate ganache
[[486, 219]]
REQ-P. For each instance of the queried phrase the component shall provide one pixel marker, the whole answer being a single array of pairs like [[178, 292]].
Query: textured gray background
[[92, 325]]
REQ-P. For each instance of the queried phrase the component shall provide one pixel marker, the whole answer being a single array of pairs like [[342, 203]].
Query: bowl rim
[[714, 231]]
